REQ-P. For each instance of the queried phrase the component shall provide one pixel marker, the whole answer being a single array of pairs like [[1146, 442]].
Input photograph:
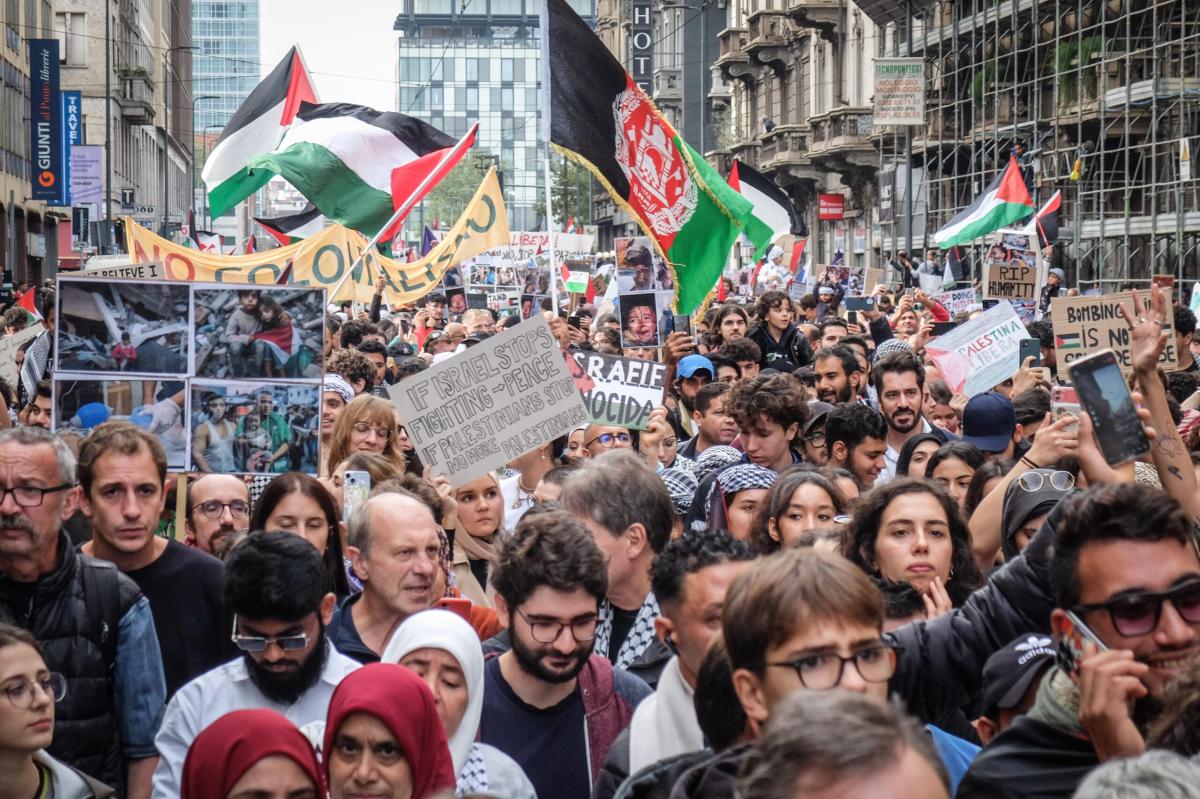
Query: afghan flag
[[600, 118], [773, 215], [1003, 202], [255, 129], [351, 161], [294, 227]]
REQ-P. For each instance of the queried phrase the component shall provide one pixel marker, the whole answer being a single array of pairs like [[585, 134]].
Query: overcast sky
[[349, 46]]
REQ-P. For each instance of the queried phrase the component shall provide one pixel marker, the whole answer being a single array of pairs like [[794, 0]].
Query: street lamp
[[192, 204]]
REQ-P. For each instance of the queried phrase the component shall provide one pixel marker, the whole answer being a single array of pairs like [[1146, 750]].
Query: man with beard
[[714, 427], [839, 374], [854, 440], [1124, 563], [899, 381], [549, 703], [273, 588], [217, 506]]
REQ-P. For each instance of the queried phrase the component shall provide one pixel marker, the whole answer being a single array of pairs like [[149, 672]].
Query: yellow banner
[[323, 260]]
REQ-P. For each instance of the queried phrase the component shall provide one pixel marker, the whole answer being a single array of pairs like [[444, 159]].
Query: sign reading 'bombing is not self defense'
[[617, 391], [1083, 325], [501, 398]]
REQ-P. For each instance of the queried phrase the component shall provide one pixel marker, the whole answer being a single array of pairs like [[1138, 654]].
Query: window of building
[[506, 70], [506, 7], [471, 69], [71, 29]]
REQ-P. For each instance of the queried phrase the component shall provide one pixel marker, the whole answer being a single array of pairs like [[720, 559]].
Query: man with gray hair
[[393, 546], [1157, 774], [93, 621], [840, 743], [629, 514]]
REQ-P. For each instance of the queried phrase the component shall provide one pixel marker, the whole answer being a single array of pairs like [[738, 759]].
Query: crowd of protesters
[[818, 570]]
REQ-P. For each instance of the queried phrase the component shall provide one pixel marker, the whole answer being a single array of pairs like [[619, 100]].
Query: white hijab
[[446, 630]]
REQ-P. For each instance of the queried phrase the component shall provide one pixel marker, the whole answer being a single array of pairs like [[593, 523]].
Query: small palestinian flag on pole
[[1003, 202], [773, 216], [597, 116], [254, 129], [294, 227]]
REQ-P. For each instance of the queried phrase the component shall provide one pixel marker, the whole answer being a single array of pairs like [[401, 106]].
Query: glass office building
[[226, 60]]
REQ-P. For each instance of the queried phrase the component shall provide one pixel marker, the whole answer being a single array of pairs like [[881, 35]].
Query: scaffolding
[[1102, 95]]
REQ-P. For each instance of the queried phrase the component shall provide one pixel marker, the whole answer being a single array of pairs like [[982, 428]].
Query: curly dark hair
[[768, 302], [863, 530], [553, 549], [352, 365], [688, 554], [777, 397], [742, 350]]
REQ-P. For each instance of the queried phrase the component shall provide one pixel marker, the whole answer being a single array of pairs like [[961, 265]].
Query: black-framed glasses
[[821, 672], [30, 496], [1138, 614], [1059, 481], [608, 439], [546, 631], [259, 643], [817, 439], [380, 432], [21, 693], [214, 508]]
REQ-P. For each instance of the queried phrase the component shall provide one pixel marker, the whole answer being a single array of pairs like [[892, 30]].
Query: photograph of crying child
[[259, 333]]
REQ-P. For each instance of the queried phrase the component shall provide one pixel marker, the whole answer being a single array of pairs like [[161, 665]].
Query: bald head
[[398, 510], [208, 531], [394, 546]]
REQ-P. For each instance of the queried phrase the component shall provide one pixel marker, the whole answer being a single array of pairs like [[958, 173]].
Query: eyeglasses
[[546, 631], [1138, 614], [214, 508], [380, 432], [608, 439], [21, 693], [817, 439], [258, 643], [31, 496], [875, 663], [1059, 481]]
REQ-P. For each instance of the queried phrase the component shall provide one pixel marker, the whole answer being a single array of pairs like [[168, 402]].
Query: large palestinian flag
[[350, 161], [293, 227], [773, 216], [1003, 202], [597, 116], [254, 129]]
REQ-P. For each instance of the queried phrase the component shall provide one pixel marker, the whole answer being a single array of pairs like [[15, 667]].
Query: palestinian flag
[[293, 227], [773, 216], [352, 162], [255, 129], [1003, 202], [600, 118], [1046, 221], [283, 340], [1067, 341], [29, 303]]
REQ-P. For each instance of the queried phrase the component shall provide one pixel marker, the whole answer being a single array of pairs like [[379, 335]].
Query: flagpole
[[550, 234], [403, 209]]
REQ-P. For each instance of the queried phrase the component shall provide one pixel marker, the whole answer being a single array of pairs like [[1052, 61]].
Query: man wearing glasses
[[273, 587], [549, 703], [217, 506], [600, 438]]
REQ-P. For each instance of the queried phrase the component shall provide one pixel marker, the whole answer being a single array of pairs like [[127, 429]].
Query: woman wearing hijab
[[443, 650], [383, 737], [1027, 500], [251, 753]]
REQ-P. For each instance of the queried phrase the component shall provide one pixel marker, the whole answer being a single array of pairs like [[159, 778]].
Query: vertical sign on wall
[[45, 122], [641, 46], [72, 134]]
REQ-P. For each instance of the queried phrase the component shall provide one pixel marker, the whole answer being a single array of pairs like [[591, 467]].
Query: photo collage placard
[[645, 292], [228, 377]]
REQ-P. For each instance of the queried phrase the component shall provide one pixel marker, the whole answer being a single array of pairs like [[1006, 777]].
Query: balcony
[[840, 139], [733, 59], [820, 15], [746, 151], [668, 85], [766, 38], [135, 95]]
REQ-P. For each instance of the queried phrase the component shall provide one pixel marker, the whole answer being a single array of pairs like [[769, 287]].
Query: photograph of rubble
[[81, 404], [273, 333], [122, 327]]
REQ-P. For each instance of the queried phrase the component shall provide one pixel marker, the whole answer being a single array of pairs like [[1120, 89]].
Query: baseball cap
[[475, 338], [691, 364], [1010, 671], [989, 421], [817, 411]]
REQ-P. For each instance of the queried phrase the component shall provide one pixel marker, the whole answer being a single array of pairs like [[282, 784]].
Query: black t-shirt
[[550, 745], [184, 588], [622, 623]]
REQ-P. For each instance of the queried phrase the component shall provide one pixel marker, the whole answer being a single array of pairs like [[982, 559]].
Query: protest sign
[[8, 351], [957, 301], [1083, 325], [1010, 280], [476, 411], [981, 353], [147, 271], [617, 391]]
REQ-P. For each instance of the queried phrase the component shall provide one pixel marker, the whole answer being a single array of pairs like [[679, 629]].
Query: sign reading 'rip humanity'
[[1083, 325], [500, 399], [1010, 281]]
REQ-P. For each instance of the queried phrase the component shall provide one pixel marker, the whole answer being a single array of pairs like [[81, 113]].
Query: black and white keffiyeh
[[744, 476], [715, 458], [681, 485], [473, 778], [640, 635]]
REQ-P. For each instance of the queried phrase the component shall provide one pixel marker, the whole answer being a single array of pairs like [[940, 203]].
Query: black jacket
[[793, 347], [1029, 760], [75, 610], [652, 782], [715, 778], [344, 636]]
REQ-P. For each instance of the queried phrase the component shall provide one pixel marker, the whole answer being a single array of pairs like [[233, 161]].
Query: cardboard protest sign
[[617, 391], [981, 353], [8, 351], [1083, 325], [1010, 280], [152, 270], [476, 411], [957, 301]]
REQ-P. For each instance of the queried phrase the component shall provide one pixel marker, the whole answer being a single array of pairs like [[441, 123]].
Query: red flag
[[250, 244], [797, 252], [721, 287]]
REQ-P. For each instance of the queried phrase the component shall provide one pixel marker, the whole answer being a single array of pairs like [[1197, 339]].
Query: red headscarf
[[226, 749], [402, 701]]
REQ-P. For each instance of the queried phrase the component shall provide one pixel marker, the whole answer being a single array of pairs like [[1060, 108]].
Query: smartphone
[[942, 328], [1064, 401], [682, 323], [990, 304], [573, 321], [356, 487], [859, 303], [1070, 643], [852, 317], [456, 605], [1104, 394], [1031, 347]]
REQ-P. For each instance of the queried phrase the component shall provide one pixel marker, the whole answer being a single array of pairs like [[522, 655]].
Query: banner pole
[[550, 238]]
